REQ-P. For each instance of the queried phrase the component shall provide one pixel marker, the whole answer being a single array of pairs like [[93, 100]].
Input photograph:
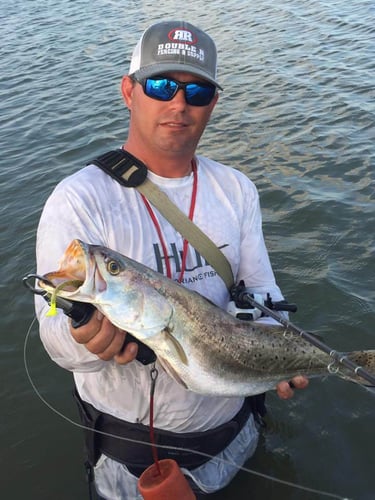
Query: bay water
[[297, 116]]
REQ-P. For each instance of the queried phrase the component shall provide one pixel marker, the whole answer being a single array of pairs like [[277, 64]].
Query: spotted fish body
[[204, 348]]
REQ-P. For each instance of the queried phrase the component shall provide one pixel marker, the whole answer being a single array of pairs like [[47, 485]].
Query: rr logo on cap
[[181, 35]]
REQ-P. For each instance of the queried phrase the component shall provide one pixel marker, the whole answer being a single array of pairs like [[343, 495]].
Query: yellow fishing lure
[[52, 311]]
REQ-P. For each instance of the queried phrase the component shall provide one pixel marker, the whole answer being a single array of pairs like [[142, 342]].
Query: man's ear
[[127, 85]]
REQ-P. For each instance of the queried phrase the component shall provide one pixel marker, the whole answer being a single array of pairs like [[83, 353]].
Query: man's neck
[[167, 165]]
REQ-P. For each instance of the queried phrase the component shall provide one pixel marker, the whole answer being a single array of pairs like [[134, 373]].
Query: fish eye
[[113, 267]]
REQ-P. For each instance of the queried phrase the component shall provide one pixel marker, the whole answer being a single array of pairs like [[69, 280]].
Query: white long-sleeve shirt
[[93, 207]]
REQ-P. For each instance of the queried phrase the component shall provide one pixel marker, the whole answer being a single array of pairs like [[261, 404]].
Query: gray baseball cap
[[174, 46]]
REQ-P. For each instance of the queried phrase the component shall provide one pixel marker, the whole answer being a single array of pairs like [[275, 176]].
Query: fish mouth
[[78, 274]]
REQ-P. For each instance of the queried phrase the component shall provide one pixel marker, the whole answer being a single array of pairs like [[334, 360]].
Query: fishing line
[[177, 448]]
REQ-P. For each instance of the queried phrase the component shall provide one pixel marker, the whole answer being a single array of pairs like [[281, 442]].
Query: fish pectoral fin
[[171, 371], [175, 346]]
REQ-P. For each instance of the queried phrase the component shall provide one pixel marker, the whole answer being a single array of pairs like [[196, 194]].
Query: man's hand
[[102, 338], [285, 390]]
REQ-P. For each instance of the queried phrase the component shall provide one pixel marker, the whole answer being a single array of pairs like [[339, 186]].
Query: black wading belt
[[137, 456]]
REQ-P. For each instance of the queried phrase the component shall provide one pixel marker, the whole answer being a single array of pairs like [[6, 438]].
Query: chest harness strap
[[131, 172]]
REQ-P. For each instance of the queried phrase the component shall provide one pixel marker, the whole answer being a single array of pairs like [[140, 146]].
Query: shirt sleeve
[[255, 266], [67, 215]]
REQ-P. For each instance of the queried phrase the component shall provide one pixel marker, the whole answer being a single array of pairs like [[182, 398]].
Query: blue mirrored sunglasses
[[164, 89]]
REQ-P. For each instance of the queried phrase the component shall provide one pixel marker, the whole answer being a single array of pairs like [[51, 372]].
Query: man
[[171, 91]]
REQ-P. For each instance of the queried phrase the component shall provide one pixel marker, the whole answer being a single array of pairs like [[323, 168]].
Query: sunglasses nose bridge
[[179, 95]]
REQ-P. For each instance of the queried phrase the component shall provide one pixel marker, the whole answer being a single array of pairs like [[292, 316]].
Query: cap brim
[[160, 69]]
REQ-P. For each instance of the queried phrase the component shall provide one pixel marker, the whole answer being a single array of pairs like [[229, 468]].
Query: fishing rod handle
[[282, 305], [79, 312], [145, 354]]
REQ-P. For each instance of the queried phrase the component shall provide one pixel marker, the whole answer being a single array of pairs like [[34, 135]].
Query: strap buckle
[[123, 167]]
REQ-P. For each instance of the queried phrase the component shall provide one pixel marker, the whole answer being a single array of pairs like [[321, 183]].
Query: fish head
[[114, 284], [75, 275]]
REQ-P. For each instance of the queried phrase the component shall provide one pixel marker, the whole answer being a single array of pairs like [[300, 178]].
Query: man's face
[[166, 127]]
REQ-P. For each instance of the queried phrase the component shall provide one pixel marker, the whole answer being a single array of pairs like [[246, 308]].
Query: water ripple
[[297, 116]]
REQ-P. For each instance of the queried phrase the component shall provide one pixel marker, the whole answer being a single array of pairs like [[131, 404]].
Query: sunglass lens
[[161, 88], [199, 94]]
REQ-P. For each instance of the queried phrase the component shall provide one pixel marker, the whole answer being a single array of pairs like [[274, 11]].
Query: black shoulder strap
[[123, 167]]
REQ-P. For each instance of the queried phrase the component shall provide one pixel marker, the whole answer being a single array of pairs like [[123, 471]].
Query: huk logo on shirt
[[197, 263]]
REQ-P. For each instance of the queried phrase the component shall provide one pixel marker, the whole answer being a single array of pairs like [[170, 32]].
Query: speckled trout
[[201, 346]]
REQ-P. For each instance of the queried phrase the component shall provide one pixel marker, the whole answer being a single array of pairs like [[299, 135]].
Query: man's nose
[[179, 99]]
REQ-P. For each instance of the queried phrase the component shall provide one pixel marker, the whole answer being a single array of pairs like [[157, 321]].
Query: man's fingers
[[299, 382], [114, 347], [127, 354], [285, 390]]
